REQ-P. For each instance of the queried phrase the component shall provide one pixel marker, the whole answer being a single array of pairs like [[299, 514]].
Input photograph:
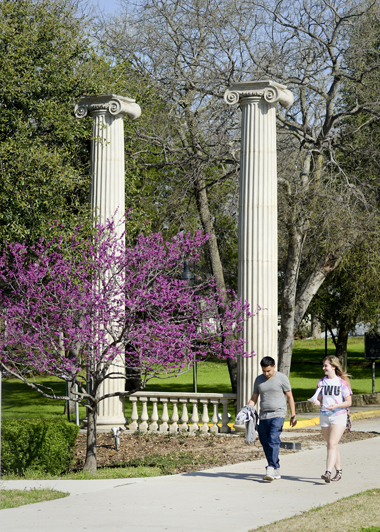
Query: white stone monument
[[257, 253], [107, 198]]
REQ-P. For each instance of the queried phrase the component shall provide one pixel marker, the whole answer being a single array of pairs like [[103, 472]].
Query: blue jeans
[[269, 435]]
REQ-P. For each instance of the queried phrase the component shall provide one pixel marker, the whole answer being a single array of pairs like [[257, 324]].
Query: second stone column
[[107, 195], [257, 254]]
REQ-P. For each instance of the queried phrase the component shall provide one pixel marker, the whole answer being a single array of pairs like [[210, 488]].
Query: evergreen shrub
[[38, 444]]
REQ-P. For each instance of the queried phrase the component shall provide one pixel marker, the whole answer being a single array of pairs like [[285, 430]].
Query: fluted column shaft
[[107, 195], [107, 198], [257, 252]]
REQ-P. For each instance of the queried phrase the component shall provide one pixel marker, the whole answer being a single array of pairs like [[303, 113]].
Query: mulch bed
[[206, 450]]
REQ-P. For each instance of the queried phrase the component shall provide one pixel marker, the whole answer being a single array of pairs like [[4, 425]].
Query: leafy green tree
[[351, 294], [46, 64]]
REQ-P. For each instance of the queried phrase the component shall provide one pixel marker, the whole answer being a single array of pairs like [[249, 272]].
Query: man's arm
[[292, 406], [253, 399]]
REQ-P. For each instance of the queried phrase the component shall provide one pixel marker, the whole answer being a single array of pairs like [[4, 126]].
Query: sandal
[[326, 476], [338, 476]]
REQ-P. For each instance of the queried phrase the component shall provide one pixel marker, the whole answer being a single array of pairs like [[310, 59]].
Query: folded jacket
[[249, 417]]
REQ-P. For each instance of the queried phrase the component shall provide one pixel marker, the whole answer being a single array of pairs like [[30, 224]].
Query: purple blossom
[[73, 308]]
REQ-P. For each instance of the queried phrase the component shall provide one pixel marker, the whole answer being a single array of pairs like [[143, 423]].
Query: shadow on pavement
[[252, 477]]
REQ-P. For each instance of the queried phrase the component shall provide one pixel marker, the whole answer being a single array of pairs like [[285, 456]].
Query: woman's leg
[[326, 435], [334, 434], [337, 459]]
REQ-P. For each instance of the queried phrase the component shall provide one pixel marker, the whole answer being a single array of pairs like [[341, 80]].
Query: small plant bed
[[181, 453], [172, 453], [15, 498]]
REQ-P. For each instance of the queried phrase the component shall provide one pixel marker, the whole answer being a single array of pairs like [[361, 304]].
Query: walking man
[[274, 388]]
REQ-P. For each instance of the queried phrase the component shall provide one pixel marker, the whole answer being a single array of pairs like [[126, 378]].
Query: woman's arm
[[346, 403], [318, 401]]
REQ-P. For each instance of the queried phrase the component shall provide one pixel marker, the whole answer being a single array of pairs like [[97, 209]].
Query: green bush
[[39, 444]]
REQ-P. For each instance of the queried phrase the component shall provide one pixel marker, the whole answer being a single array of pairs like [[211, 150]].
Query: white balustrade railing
[[171, 420]]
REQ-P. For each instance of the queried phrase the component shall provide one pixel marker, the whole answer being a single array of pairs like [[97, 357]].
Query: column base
[[105, 424]]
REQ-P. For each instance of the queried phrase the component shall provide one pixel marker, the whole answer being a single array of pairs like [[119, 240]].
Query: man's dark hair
[[267, 361]]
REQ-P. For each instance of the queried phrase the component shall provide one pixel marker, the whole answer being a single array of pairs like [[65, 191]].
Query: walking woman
[[334, 396]]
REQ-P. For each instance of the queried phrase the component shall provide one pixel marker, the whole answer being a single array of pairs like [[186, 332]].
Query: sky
[[109, 6]]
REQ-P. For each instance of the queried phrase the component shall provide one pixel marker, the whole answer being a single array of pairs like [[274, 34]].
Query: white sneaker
[[270, 474], [277, 475]]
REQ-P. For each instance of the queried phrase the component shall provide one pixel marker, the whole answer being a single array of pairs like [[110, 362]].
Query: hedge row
[[41, 444]]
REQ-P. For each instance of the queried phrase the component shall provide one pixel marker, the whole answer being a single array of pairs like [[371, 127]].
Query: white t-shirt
[[333, 391]]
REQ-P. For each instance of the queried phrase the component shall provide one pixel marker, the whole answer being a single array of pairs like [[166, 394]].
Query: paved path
[[367, 425], [218, 500]]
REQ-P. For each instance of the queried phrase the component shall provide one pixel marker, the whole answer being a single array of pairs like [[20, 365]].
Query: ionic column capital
[[107, 103], [251, 91]]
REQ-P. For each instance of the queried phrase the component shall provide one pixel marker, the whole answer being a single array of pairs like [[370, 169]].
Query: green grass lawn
[[304, 375], [357, 513], [20, 401], [15, 498], [211, 377], [101, 473]]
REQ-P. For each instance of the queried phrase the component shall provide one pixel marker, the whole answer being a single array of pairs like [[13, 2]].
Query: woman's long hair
[[334, 361]]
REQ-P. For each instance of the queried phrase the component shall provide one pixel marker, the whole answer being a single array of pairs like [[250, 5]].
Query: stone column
[[257, 253], [107, 197]]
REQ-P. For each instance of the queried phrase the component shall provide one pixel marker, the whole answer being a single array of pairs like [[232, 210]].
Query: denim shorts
[[327, 421]]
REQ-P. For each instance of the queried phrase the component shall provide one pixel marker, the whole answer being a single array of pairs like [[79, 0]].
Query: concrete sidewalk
[[218, 500]]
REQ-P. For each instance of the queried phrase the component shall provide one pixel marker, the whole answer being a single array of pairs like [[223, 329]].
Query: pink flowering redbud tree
[[90, 310]]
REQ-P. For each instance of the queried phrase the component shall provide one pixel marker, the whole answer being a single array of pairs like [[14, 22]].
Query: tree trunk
[[216, 263], [133, 376], [232, 370], [73, 353], [208, 226], [315, 327], [288, 298], [310, 287], [203, 208], [341, 346], [90, 463], [71, 403], [293, 309]]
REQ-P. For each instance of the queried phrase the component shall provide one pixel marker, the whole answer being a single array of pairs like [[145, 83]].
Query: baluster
[[143, 427], [164, 427], [214, 429], [153, 427], [133, 426], [194, 417], [225, 429], [174, 421], [205, 417], [184, 417]]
